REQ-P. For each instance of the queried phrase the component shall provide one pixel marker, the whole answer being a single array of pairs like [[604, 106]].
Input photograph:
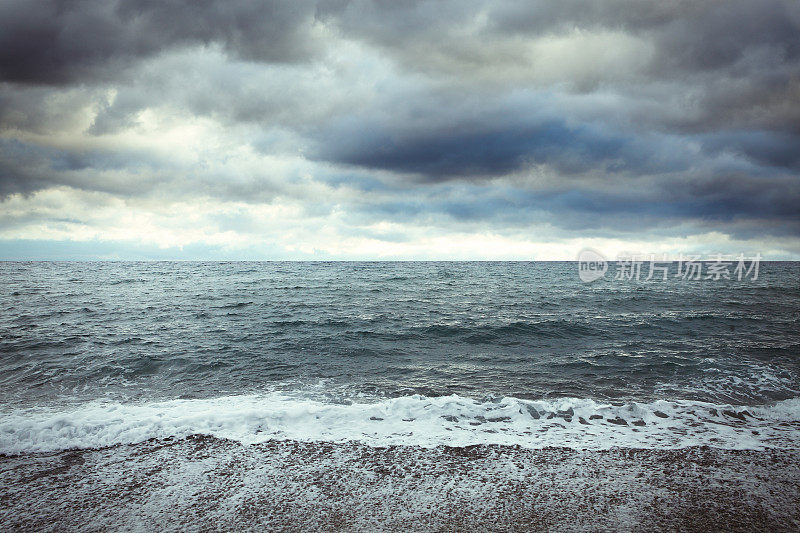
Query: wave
[[409, 420]]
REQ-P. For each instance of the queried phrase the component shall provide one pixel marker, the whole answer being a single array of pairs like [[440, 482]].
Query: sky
[[392, 129]]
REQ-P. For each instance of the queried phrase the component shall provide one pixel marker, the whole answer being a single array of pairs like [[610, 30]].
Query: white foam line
[[410, 420]]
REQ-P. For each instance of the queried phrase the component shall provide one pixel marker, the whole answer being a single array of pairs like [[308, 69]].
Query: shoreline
[[207, 483]]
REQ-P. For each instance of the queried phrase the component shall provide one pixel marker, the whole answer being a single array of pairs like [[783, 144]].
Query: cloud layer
[[420, 129]]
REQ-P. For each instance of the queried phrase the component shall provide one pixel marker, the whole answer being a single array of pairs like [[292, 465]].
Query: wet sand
[[210, 484]]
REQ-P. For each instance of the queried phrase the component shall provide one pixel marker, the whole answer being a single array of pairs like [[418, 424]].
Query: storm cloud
[[62, 41], [382, 129]]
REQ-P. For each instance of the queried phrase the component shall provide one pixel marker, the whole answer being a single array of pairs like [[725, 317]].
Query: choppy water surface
[[459, 353]]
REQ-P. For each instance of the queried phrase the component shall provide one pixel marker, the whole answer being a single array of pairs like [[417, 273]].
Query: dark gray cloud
[[687, 35], [490, 146], [769, 148], [61, 41], [595, 117], [735, 204], [730, 62], [26, 168]]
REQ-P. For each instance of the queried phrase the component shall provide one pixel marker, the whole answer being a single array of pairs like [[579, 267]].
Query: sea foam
[[409, 420]]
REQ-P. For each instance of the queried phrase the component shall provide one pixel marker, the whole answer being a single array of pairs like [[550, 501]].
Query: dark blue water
[[150, 382], [72, 332]]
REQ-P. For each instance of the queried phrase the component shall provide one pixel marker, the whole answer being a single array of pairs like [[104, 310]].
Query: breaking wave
[[409, 420]]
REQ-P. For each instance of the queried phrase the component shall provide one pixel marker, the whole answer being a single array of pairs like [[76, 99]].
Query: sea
[[109, 363]]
